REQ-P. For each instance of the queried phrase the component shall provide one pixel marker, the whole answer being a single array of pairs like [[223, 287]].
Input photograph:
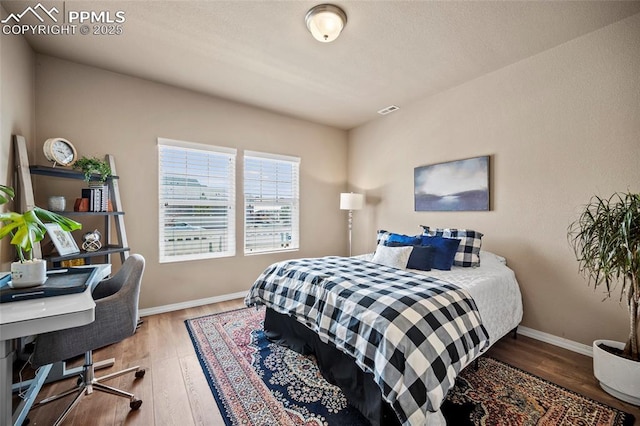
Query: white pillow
[[395, 257]]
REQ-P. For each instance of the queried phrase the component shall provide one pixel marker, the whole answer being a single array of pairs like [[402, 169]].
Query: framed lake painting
[[452, 186]]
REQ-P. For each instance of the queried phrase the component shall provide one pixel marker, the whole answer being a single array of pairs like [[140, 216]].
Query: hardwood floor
[[175, 392]]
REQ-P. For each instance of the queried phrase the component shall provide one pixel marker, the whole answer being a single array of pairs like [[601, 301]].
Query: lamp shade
[[351, 201], [325, 22]]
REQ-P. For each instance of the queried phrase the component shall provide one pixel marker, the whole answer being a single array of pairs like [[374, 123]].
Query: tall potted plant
[[26, 229], [606, 242]]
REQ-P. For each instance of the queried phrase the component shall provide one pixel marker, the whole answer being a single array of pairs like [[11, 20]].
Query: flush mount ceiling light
[[325, 22]]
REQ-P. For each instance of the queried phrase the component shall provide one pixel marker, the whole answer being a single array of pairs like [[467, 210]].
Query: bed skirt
[[337, 368]]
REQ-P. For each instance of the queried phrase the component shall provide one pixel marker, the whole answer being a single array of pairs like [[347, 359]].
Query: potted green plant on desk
[[606, 241], [26, 229]]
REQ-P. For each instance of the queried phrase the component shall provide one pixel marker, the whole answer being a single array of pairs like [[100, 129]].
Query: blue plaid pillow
[[468, 253], [383, 236]]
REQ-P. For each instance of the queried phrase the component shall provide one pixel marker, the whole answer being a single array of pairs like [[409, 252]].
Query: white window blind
[[197, 201], [271, 202]]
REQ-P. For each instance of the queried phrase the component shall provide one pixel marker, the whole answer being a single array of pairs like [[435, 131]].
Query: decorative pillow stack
[[425, 253], [468, 251]]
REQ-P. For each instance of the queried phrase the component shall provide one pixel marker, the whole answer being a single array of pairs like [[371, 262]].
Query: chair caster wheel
[[135, 404], [140, 373]]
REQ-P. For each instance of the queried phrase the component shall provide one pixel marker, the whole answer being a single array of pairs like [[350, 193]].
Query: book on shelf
[[98, 198], [104, 199]]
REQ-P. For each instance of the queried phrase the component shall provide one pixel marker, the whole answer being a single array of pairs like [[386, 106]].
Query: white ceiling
[[260, 52]]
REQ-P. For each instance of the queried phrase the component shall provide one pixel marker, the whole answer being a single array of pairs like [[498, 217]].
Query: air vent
[[387, 110]]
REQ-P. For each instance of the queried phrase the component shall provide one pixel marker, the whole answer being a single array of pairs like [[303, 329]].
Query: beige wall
[[17, 110], [559, 127], [104, 112]]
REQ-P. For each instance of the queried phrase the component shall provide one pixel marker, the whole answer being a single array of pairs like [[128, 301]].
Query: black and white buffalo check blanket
[[412, 332]]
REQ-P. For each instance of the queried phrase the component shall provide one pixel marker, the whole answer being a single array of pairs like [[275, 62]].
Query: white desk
[[29, 317]]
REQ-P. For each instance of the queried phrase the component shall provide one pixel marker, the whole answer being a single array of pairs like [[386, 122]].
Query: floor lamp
[[350, 201]]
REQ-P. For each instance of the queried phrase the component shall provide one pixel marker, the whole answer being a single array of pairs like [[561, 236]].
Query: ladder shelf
[[27, 202]]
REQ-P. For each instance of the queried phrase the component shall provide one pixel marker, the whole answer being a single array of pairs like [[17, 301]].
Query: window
[[197, 201], [271, 200]]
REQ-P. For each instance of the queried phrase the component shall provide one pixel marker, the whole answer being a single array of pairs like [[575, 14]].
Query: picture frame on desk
[[62, 240]]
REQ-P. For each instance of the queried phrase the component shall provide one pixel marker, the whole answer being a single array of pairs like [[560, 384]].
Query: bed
[[393, 340]]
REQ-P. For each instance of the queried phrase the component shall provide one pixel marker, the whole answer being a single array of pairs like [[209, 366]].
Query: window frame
[[295, 215], [229, 230]]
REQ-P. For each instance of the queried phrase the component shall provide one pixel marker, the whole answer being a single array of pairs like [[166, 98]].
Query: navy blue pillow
[[405, 240], [445, 251], [421, 257]]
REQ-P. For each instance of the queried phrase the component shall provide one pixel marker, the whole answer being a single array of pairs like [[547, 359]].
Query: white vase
[[618, 376], [29, 273], [57, 203]]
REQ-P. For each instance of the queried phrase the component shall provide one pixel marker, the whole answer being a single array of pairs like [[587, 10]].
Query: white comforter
[[494, 288]]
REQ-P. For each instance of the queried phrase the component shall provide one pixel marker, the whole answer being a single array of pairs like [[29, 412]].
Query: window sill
[[255, 253]]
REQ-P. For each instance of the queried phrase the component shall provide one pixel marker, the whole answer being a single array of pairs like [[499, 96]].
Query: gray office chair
[[116, 318]]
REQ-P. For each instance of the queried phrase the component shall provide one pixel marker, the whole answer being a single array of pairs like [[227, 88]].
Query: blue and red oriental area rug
[[256, 382]]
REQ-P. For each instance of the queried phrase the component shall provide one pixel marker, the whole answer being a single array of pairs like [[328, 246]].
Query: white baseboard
[[556, 341], [525, 331], [191, 304]]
